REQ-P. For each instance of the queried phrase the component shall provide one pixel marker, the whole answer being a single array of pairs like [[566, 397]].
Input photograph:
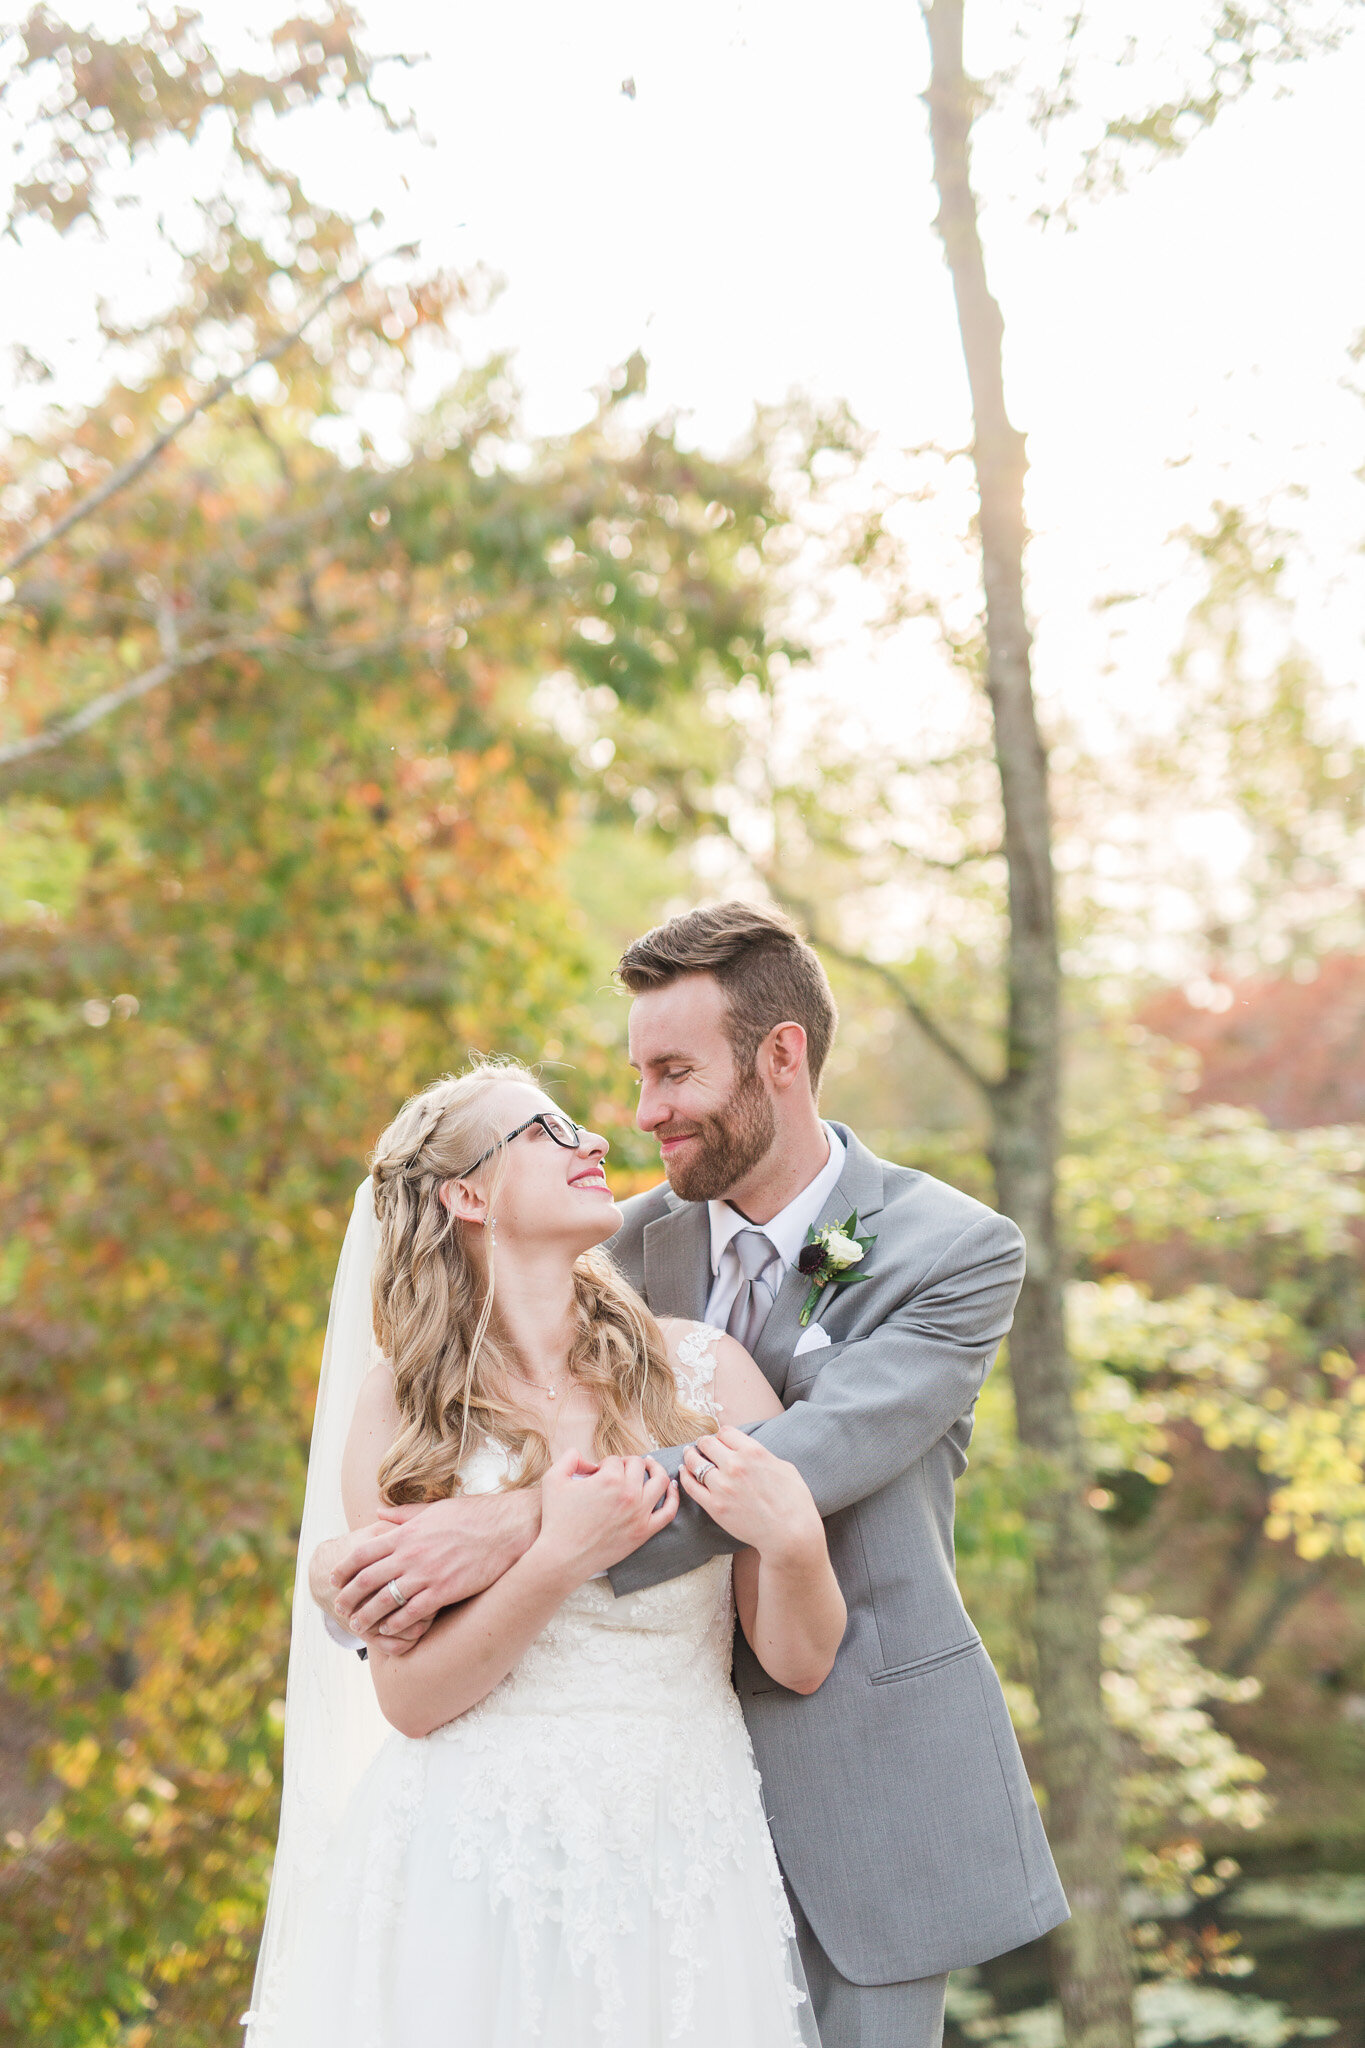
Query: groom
[[902, 1815]]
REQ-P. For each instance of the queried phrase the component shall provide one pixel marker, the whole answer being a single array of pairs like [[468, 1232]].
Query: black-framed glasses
[[562, 1129]]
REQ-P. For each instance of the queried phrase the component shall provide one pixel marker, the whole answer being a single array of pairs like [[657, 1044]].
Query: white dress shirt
[[786, 1232]]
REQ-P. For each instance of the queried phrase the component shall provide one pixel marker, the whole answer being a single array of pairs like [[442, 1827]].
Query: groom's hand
[[439, 1554], [322, 1586]]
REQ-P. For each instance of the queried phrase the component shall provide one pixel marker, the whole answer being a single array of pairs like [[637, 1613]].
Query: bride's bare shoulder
[[374, 1403], [374, 1425]]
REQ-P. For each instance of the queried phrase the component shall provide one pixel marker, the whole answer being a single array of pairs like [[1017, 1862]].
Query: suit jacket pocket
[[805, 1370], [933, 1662]]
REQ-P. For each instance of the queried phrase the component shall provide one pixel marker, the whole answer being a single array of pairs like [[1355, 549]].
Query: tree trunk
[[1091, 1953]]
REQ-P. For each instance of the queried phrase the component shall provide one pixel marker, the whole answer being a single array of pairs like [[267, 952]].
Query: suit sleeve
[[880, 1404]]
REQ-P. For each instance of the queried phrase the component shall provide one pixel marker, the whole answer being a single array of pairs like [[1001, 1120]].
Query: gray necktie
[[750, 1312]]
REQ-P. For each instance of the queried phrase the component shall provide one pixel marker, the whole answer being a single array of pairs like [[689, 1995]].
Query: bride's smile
[[532, 1182]]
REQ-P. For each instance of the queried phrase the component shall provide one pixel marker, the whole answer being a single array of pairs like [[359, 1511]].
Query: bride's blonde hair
[[434, 1301]]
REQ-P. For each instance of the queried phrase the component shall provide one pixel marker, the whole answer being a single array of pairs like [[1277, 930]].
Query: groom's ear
[[782, 1055]]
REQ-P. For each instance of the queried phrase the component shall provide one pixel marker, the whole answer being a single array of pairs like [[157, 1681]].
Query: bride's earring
[[492, 1232]]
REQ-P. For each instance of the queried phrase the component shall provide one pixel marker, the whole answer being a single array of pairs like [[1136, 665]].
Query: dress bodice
[[644, 1652]]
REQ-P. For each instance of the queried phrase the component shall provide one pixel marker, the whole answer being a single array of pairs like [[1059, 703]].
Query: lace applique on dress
[[695, 1371], [579, 1859]]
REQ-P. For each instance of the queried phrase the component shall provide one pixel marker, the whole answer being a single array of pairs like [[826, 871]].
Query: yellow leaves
[[73, 1762], [141, 1283], [1210, 1350], [1155, 1692], [1318, 1452]]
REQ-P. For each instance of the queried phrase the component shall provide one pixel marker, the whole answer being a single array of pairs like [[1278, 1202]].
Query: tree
[[1092, 1956], [282, 825], [1004, 1057], [1068, 1561]]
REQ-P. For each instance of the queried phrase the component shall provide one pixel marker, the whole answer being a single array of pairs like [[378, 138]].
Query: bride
[[559, 1838]]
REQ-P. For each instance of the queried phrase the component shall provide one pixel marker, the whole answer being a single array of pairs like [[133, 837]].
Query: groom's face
[[713, 1123]]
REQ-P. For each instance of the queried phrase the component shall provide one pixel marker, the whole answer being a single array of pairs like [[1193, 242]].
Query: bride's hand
[[591, 1516], [752, 1495]]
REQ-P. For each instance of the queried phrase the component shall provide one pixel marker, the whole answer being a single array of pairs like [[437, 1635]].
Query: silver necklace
[[550, 1393]]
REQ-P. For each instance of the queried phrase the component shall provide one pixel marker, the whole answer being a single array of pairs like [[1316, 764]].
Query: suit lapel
[[678, 1262], [858, 1187]]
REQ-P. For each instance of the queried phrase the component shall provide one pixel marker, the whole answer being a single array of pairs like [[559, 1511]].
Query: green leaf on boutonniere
[[828, 1257]]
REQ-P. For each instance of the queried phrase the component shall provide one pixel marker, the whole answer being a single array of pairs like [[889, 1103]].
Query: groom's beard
[[729, 1144]]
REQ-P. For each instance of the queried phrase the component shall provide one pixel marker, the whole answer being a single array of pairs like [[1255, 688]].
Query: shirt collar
[[786, 1231]]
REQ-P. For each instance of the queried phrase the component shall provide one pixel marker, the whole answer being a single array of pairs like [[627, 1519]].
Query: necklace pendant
[[550, 1393]]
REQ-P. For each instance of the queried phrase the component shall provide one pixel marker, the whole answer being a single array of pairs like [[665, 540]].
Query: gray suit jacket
[[898, 1799]]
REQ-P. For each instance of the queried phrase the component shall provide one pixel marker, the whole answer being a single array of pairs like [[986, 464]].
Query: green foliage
[[1202, 1358], [1167, 1373], [1220, 1178], [262, 897]]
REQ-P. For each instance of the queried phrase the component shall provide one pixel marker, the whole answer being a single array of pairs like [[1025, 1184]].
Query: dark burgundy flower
[[811, 1259]]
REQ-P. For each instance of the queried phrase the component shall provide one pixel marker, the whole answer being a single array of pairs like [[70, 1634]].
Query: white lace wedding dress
[[580, 1861]]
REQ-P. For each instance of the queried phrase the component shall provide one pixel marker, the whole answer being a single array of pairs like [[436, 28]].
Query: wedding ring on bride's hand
[[396, 1593], [705, 1467]]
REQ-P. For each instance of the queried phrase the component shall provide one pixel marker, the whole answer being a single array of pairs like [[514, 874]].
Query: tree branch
[[1290, 1588], [113, 700], [908, 1000], [137, 465], [330, 660], [277, 448], [922, 1018]]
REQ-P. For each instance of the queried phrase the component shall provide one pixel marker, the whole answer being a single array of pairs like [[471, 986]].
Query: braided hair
[[434, 1288]]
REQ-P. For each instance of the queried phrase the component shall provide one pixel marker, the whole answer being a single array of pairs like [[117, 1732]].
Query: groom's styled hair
[[768, 972]]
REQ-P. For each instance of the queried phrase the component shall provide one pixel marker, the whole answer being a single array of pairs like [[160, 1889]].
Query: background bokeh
[[607, 544]]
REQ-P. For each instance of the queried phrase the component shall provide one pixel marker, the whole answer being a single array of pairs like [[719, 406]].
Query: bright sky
[[758, 218]]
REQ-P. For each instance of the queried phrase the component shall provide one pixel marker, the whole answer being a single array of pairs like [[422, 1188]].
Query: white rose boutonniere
[[827, 1258]]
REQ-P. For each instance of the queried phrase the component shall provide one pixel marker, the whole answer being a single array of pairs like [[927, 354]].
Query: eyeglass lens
[[562, 1130]]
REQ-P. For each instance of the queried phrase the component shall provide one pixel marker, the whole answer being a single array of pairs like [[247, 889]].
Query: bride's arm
[[790, 1606], [590, 1517]]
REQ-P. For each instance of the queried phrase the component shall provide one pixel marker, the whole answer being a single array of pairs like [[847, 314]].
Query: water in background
[[1304, 1929]]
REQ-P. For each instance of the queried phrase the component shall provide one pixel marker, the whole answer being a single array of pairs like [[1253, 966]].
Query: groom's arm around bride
[[899, 1803]]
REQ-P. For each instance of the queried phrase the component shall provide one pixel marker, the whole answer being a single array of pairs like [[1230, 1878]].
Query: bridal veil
[[332, 1723]]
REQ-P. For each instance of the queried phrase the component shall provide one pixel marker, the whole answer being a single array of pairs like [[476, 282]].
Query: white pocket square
[[812, 1339]]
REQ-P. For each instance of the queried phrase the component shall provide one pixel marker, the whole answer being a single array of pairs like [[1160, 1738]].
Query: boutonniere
[[827, 1256]]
